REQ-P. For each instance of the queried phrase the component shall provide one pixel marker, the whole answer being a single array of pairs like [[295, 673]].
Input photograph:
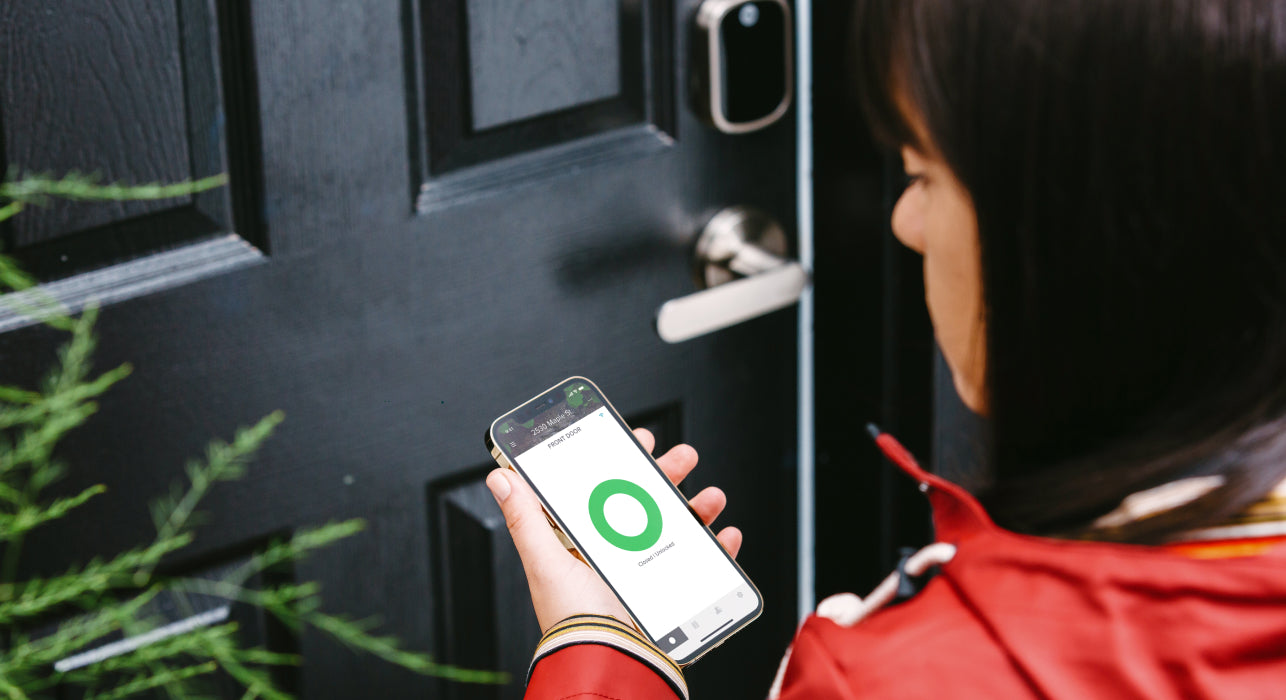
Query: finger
[[535, 540], [709, 503], [678, 462], [646, 438], [730, 538]]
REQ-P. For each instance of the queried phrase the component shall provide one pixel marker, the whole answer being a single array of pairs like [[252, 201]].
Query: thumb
[[525, 517]]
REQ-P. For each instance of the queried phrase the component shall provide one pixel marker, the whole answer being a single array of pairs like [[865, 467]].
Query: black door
[[436, 209]]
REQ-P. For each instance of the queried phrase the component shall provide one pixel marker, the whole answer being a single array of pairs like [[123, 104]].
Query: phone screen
[[627, 519]]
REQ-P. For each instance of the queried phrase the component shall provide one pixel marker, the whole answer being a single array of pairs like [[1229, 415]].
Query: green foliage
[[111, 596], [22, 190]]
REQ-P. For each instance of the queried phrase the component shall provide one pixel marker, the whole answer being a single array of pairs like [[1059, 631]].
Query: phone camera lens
[[748, 15]]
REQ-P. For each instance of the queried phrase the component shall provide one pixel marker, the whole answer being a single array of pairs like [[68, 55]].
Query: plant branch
[[37, 189]]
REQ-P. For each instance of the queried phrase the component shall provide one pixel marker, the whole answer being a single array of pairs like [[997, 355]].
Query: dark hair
[[1127, 163]]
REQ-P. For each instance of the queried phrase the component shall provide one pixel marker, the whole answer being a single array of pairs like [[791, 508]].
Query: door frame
[[805, 567]]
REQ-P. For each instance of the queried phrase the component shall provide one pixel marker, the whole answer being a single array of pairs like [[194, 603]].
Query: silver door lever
[[739, 260]]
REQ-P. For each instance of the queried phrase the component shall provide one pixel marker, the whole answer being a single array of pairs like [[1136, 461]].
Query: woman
[[1098, 189]]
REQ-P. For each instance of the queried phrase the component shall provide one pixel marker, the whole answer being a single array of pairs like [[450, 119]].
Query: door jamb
[[806, 449]]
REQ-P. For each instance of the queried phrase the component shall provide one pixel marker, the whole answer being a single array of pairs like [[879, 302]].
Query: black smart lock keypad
[[754, 60]]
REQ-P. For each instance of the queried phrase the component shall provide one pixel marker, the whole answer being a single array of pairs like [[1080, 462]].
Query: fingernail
[[499, 485]]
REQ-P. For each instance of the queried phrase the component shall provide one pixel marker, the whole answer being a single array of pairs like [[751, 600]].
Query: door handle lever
[[739, 261]]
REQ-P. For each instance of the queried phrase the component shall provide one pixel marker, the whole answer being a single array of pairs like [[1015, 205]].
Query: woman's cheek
[[953, 293]]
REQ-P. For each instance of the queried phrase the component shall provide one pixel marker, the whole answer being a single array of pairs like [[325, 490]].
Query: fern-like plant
[[110, 643]]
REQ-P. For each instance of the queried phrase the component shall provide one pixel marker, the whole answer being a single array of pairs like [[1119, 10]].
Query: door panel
[[429, 257], [144, 108], [137, 93], [529, 59], [569, 85]]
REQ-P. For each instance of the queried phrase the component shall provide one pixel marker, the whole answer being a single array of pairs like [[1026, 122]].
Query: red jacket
[[1012, 616]]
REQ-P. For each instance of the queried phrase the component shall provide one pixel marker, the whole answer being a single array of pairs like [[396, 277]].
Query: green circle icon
[[634, 543]]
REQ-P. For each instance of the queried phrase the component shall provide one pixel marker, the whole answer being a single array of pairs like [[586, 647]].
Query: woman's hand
[[562, 585]]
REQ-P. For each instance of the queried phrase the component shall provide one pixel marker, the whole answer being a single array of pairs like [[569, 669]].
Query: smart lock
[[740, 265], [741, 79]]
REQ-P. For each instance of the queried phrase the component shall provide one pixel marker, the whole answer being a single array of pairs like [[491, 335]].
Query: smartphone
[[621, 514]]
